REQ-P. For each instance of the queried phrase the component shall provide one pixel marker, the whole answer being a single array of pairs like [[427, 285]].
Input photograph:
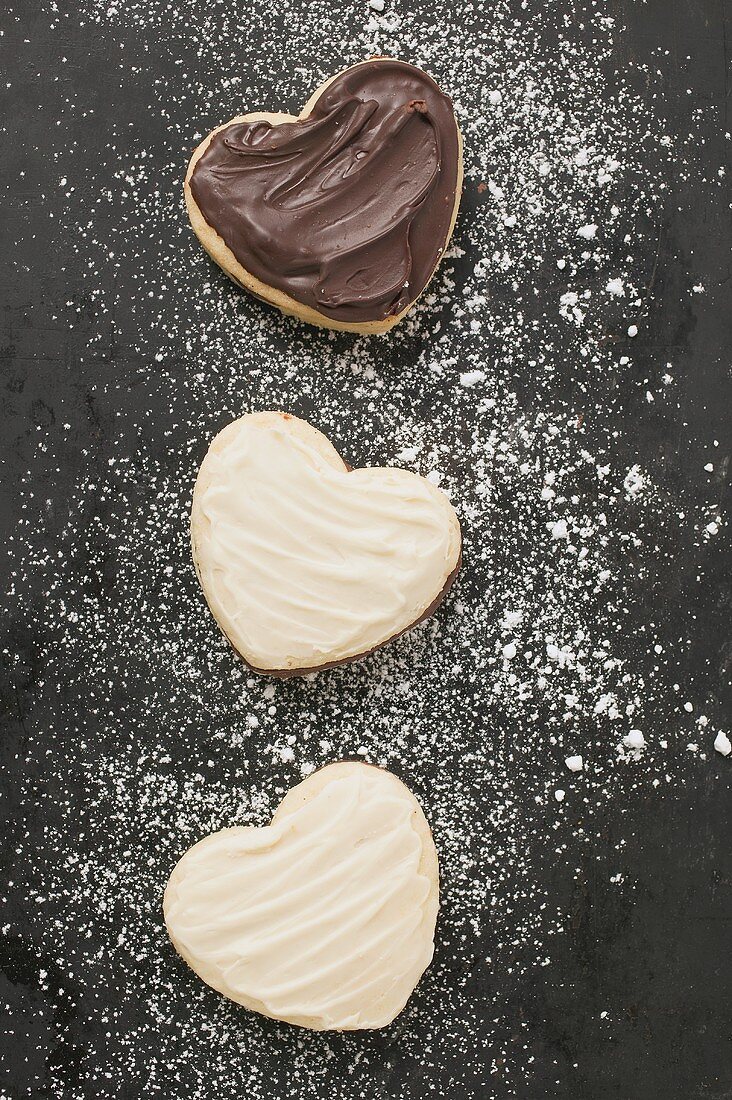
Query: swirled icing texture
[[348, 210], [304, 562], [323, 918]]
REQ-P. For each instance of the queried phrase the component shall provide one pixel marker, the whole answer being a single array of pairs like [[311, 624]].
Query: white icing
[[304, 562], [323, 918]]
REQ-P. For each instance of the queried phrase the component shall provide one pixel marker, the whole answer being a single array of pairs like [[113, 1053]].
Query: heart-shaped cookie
[[306, 563], [326, 917], [340, 216]]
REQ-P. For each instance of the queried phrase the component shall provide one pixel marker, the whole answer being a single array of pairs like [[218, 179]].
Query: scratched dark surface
[[658, 961]]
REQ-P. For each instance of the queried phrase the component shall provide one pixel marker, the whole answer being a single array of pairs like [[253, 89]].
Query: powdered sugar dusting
[[514, 714]]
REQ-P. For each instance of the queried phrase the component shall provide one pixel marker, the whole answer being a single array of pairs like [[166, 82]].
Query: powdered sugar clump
[[722, 744]]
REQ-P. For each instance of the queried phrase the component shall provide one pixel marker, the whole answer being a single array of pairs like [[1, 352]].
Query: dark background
[[656, 959]]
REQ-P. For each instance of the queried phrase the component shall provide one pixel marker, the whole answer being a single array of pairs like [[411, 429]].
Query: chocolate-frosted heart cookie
[[306, 563], [340, 216], [326, 917]]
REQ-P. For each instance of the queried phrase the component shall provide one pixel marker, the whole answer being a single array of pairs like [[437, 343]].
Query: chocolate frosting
[[348, 210]]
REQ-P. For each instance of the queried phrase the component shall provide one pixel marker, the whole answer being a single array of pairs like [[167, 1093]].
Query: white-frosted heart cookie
[[306, 563], [326, 917]]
